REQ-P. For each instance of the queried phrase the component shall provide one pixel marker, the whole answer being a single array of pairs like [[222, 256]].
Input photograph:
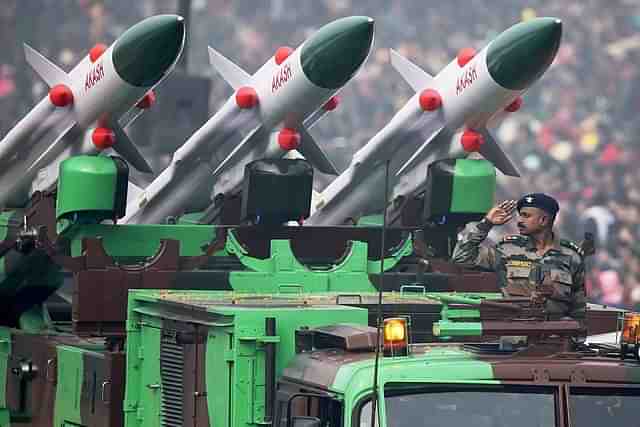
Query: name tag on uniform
[[518, 263]]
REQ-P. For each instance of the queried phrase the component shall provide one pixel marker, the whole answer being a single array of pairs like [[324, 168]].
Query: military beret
[[540, 201]]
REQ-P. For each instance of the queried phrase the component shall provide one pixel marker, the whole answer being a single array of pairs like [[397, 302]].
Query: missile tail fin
[[50, 72], [314, 153], [127, 149], [492, 152], [58, 134], [234, 75], [439, 136], [133, 190], [417, 78], [130, 116], [248, 143], [314, 118]]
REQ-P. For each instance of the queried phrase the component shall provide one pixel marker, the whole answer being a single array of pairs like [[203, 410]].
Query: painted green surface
[[141, 240], [69, 385], [5, 352], [87, 184], [521, 54], [474, 186], [354, 381], [142, 401], [145, 52], [5, 220], [190, 218], [332, 55], [370, 221], [445, 328], [282, 272], [235, 349]]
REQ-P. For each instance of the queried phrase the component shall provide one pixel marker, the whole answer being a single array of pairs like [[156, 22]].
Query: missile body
[[267, 116], [447, 117], [87, 109]]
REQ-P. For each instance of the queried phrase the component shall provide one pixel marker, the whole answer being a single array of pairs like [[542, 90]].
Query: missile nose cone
[[335, 52], [520, 55], [146, 52]]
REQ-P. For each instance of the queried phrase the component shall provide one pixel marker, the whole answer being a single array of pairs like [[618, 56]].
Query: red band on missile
[[97, 51], [103, 138], [288, 139], [246, 97], [147, 101], [471, 141], [465, 55], [430, 100], [60, 95], [332, 104], [282, 53], [514, 106]]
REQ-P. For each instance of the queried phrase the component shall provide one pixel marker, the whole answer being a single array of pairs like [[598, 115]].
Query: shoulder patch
[[515, 239], [571, 245]]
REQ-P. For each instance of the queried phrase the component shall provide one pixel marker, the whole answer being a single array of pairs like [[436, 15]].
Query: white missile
[[447, 117], [99, 97], [267, 116]]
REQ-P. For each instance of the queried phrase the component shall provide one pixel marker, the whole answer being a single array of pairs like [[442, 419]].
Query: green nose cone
[[335, 52], [520, 55], [146, 52]]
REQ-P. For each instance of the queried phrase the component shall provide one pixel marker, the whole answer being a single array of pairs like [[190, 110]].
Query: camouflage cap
[[540, 201]]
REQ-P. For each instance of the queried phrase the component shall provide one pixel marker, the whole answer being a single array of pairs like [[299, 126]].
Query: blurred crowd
[[574, 137]]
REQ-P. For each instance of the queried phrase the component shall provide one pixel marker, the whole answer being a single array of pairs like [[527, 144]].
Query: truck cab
[[201, 358], [460, 385]]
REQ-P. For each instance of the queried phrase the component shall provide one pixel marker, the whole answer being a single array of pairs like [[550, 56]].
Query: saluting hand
[[502, 213]]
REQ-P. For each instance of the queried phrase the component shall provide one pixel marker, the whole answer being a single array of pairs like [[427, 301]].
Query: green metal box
[[199, 355]]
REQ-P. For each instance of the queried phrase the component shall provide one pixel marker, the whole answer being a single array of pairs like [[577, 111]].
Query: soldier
[[523, 262]]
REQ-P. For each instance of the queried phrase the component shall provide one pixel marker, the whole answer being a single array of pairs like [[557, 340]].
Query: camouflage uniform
[[514, 258]]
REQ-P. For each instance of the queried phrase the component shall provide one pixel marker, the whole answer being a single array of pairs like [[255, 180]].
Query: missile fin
[[492, 152], [417, 78], [247, 143], [441, 134], [127, 149], [133, 192], [314, 118], [50, 72], [62, 128], [314, 153], [234, 75], [130, 116]]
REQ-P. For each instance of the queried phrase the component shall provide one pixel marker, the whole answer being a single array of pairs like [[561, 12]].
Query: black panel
[[276, 191], [122, 181]]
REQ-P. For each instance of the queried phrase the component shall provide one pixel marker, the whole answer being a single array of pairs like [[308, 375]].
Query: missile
[[268, 115], [447, 117], [87, 109]]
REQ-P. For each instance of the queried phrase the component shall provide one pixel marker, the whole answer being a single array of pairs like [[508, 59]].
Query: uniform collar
[[531, 246]]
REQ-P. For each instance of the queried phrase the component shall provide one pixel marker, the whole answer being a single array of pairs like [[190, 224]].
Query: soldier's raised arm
[[468, 249]]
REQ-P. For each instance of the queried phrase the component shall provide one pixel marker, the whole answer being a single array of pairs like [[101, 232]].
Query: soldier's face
[[531, 220]]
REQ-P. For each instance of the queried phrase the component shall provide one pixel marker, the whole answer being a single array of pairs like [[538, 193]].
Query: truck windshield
[[602, 407], [462, 406]]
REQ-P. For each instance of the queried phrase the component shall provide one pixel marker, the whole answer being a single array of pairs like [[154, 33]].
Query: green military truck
[[204, 359], [194, 324]]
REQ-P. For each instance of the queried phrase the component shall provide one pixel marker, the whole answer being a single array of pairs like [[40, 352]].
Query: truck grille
[[171, 369]]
